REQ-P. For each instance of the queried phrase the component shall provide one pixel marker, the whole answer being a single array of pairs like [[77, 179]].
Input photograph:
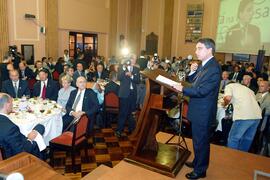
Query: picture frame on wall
[[194, 22]]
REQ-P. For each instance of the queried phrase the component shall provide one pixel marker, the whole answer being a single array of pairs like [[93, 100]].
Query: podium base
[[168, 160]]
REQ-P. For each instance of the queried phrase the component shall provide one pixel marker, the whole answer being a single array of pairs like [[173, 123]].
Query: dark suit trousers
[[127, 106], [67, 119], [201, 145]]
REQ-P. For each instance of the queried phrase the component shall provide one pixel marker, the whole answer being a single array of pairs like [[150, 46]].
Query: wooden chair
[[71, 141], [111, 104]]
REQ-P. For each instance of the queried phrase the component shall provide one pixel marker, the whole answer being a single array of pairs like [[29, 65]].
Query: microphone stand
[[181, 142]]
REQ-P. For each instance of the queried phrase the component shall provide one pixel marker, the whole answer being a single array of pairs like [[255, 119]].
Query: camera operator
[[15, 55], [4, 75], [129, 77]]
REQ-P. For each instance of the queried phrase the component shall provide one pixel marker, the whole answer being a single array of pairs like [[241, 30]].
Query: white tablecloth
[[28, 113]]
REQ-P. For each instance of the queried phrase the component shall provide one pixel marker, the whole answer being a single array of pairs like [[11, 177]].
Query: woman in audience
[[65, 91], [91, 71]]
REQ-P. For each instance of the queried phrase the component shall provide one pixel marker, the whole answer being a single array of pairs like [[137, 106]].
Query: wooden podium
[[148, 153]]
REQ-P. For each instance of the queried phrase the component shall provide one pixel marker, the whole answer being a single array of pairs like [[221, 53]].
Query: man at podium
[[202, 105]]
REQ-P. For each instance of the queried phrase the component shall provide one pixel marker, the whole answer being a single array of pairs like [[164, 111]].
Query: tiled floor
[[108, 150]]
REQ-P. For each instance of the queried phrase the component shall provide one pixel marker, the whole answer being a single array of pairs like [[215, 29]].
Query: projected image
[[243, 26]]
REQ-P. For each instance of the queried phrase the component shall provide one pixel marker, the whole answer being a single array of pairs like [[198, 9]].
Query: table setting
[[28, 112]]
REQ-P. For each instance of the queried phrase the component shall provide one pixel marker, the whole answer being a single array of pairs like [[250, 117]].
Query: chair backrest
[[80, 128], [55, 75], [111, 100], [31, 83]]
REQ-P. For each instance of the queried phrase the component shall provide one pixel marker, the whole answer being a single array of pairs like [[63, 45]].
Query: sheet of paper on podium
[[166, 81]]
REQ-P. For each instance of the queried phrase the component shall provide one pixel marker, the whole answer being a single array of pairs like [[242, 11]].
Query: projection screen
[[243, 26]]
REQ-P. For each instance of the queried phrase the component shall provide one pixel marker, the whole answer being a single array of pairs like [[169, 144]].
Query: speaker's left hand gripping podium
[[162, 158]]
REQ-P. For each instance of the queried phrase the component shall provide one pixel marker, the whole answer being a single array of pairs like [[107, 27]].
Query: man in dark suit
[[45, 88], [79, 71], [81, 101], [11, 139], [236, 75], [15, 87], [129, 77], [25, 72], [101, 73], [202, 105]]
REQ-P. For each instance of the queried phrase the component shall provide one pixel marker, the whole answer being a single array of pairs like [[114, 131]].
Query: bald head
[[81, 83], [5, 103], [14, 75]]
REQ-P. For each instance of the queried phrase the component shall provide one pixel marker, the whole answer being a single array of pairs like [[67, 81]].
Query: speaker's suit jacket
[[202, 110]]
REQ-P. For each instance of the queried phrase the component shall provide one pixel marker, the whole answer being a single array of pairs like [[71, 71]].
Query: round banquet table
[[27, 113]]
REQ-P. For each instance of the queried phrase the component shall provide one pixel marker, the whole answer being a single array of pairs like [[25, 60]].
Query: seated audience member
[[79, 72], [64, 73], [15, 87], [101, 73], [114, 68], [91, 71], [59, 65], [112, 61], [81, 101], [11, 139], [236, 75], [248, 81], [47, 64], [225, 80], [38, 67], [112, 86], [65, 91], [70, 72], [66, 57], [80, 59], [246, 115], [100, 96], [263, 96], [45, 88], [25, 72]]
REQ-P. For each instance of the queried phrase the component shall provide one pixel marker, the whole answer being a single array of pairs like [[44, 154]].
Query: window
[[82, 41]]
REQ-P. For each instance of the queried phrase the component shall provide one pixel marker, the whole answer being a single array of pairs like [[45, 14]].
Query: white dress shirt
[[80, 103], [17, 84]]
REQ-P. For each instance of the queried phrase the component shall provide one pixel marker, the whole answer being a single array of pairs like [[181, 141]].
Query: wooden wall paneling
[[3, 29], [51, 34], [113, 28], [135, 26], [168, 28]]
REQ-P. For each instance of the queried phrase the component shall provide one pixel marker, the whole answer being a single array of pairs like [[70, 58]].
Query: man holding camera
[[129, 77]]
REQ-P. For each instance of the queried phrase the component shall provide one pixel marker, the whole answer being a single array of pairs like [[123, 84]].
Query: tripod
[[181, 142]]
